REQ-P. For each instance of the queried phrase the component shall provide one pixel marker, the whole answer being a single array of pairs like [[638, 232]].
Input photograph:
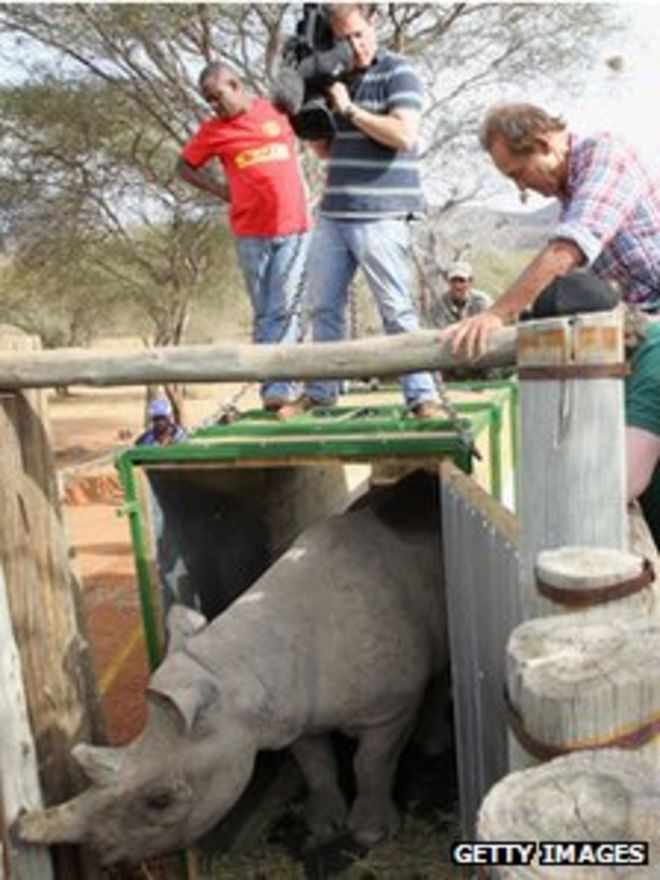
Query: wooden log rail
[[379, 356]]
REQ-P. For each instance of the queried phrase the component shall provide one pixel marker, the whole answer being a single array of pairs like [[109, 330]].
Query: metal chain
[[353, 310], [227, 411], [461, 426]]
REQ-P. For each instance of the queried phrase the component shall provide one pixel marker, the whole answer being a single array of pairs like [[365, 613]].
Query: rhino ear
[[181, 623], [188, 700], [100, 765]]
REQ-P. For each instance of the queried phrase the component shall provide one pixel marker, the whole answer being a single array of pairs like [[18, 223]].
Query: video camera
[[312, 59]]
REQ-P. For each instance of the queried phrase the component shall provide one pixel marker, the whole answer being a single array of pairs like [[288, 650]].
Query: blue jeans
[[381, 248], [273, 268]]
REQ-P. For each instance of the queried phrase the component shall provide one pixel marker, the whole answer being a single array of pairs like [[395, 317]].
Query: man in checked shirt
[[609, 223]]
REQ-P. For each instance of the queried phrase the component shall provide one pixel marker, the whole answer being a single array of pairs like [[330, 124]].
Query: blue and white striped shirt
[[367, 180]]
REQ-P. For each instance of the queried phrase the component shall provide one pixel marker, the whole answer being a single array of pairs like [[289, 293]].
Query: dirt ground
[[88, 427]]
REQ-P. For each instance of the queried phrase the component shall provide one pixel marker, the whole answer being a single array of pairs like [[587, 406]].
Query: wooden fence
[[572, 491], [582, 687], [41, 613]]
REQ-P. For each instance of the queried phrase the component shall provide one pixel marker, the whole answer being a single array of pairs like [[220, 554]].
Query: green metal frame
[[345, 433], [509, 396]]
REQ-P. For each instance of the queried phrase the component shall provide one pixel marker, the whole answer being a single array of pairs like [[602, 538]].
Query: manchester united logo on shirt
[[271, 128], [261, 155]]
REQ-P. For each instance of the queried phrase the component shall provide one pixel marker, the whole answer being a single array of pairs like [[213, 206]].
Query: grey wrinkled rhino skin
[[343, 632]]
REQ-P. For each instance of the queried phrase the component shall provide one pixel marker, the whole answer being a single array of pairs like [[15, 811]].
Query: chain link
[[227, 411], [461, 426]]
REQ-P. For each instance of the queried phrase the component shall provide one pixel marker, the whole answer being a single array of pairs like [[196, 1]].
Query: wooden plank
[[18, 762], [382, 355], [572, 467]]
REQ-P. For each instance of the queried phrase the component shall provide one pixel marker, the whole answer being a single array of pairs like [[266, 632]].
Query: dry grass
[[419, 852]]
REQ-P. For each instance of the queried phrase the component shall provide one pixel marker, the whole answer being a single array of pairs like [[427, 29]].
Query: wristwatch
[[349, 111]]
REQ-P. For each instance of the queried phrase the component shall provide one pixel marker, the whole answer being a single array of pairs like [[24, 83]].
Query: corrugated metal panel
[[481, 571]]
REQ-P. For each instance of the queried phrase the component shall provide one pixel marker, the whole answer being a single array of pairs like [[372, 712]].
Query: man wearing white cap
[[460, 300], [164, 431]]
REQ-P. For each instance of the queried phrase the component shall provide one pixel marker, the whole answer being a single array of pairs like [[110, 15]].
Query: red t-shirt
[[258, 153]]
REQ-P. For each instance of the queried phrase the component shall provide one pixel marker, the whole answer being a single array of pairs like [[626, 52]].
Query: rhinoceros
[[343, 632]]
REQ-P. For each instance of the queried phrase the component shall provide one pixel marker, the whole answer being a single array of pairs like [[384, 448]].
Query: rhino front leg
[[374, 815], [325, 810]]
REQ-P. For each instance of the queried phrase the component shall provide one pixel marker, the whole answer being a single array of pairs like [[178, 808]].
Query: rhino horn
[[181, 623], [99, 764], [61, 824]]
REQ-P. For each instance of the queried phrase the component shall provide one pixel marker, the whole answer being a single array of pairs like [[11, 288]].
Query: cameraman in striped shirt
[[372, 192]]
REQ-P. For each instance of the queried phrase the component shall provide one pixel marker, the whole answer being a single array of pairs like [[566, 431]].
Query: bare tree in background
[[106, 94]]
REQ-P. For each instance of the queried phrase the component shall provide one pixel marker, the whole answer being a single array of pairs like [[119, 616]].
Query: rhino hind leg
[[374, 815], [325, 809]]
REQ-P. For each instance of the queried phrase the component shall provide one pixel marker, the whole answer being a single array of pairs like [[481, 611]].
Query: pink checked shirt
[[612, 213]]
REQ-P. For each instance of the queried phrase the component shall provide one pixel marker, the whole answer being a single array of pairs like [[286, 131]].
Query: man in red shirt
[[267, 204]]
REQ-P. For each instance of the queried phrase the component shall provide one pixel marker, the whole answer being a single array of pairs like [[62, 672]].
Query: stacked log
[[583, 673], [575, 816]]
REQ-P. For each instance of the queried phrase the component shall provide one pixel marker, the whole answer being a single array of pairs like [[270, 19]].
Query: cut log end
[[604, 795]]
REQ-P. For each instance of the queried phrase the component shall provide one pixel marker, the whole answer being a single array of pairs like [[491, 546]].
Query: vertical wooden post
[[572, 488], [42, 597], [19, 779]]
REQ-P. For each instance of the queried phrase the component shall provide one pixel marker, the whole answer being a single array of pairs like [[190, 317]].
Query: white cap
[[160, 407], [460, 269]]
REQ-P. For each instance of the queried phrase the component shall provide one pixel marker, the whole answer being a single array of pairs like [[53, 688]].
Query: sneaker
[[274, 404], [426, 409]]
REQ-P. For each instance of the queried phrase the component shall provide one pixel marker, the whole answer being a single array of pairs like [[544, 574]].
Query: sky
[[629, 100], [625, 100]]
